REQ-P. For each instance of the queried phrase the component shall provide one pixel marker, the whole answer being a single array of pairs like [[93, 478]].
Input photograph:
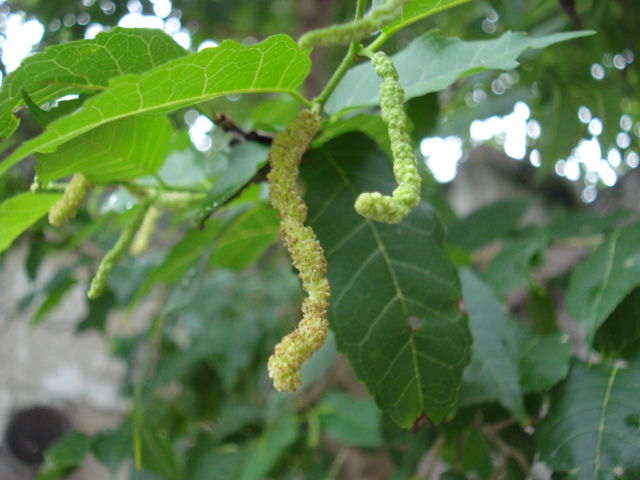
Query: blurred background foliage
[[191, 377]]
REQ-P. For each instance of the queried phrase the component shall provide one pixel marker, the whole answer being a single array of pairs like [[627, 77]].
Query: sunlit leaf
[[441, 62], [84, 66], [393, 307], [20, 212], [122, 149], [419, 9], [274, 65]]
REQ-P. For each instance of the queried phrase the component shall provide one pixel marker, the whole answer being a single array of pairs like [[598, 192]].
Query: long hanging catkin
[[306, 253]]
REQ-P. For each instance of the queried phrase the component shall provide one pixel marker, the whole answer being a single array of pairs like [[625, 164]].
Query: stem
[[301, 99], [377, 43], [347, 62]]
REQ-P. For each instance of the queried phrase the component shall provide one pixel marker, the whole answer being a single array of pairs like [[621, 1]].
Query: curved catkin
[[113, 256], [306, 253], [68, 206], [343, 34], [392, 209]]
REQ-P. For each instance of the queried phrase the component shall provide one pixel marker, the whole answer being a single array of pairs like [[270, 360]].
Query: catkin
[[306, 253], [113, 256], [374, 205], [68, 206], [355, 30]]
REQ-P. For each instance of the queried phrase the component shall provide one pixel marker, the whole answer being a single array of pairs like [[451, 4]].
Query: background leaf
[[544, 361], [20, 212], [442, 62], [277, 64], [84, 66], [351, 420], [493, 375], [606, 277], [393, 307], [591, 430]]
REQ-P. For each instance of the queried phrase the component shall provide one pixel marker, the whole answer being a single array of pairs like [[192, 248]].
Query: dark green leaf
[[512, 267], [20, 212], [621, 330], [351, 420], [488, 223], [394, 289], [544, 361], [591, 430], [493, 374], [98, 312], [442, 62], [84, 66], [604, 279], [210, 461]]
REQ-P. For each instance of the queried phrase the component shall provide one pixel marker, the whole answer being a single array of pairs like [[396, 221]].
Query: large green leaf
[[591, 430], [432, 63], [20, 212], [604, 279], [493, 374], [84, 66], [274, 65], [122, 149], [393, 306]]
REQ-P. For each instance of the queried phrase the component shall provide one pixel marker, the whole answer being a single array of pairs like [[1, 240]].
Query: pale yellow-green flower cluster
[[143, 236], [306, 253], [374, 205], [68, 206], [356, 30], [114, 255]]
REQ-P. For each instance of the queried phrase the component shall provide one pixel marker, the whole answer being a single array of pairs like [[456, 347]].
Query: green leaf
[[607, 276], [280, 432], [20, 212], [493, 374], [351, 420], [512, 267], [544, 361], [245, 240], [393, 307], [621, 330], [442, 62], [85, 66], [158, 456], [274, 65], [182, 256], [591, 430], [64, 456], [417, 10], [119, 150], [244, 162], [487, 223], [371, 125], [210, 461]]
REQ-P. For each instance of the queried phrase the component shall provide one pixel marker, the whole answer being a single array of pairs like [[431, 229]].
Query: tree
[[423, 302]]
